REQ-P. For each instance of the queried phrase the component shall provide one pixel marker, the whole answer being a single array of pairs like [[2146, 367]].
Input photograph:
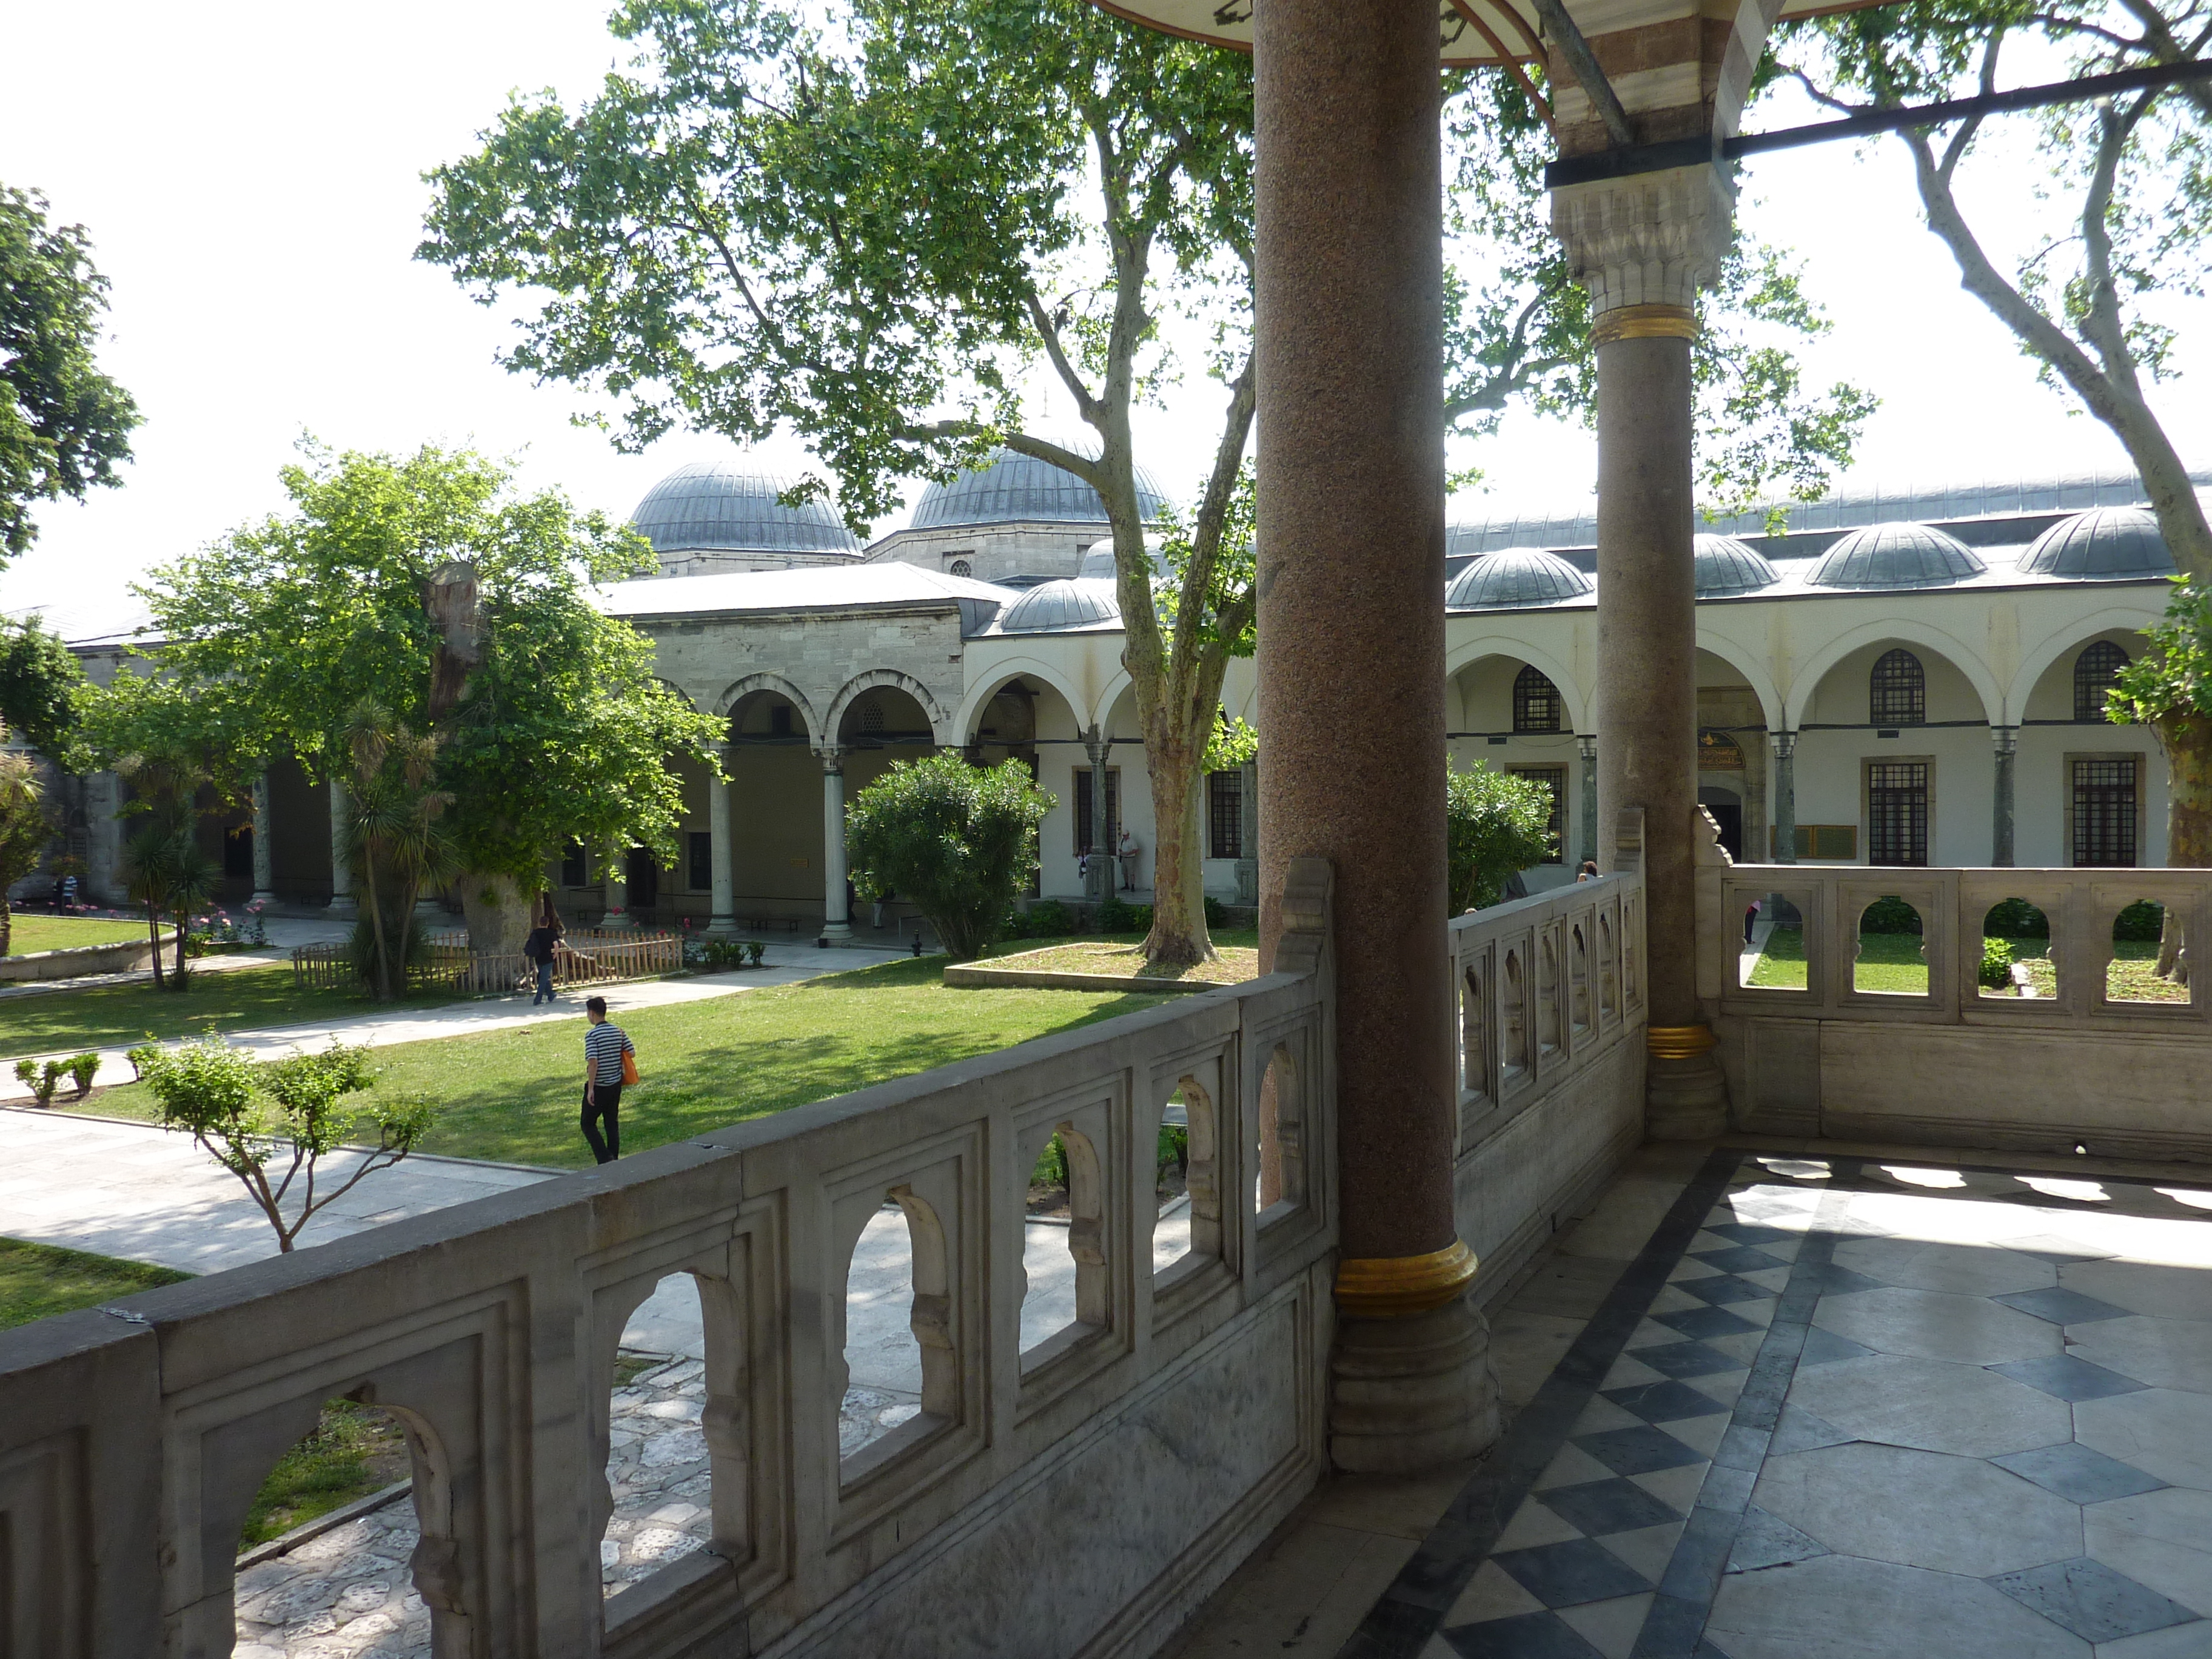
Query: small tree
[[1495, 823], [25, 829], [164, 868], [958, 841], [2169, 688], [39, 684], [395, 839], [291, 1113]]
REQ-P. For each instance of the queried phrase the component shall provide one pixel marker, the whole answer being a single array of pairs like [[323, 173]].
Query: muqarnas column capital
[[1649, 240]]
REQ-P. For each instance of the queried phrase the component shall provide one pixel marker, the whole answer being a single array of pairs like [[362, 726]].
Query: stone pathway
[[784, 964]]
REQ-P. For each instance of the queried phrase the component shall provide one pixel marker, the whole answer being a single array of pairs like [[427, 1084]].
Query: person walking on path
[[542, 947], [610, 1061]]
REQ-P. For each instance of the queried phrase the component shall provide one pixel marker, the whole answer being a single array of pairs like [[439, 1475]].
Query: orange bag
[[630, 1068]]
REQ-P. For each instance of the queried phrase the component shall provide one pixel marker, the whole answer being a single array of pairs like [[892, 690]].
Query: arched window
[[1897, 690], [1535, 702], [960, 568], [2093, 674]]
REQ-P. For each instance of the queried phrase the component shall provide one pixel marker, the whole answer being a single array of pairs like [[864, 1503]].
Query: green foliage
[[955, 841], [1216, 913], [39, 680], [1116, 917], [279, 634], [2016, 919], [396, 839], [1051, 1169], [63, 425], [1044, 919], [1997, 963], [353, 1450], [2144, 920], [1234, 743], [250, 1115], [1495, 823], [2171, 683], [164, 866], [25, 829], [39, 1079], [82, 1069], [1889, 915], [141, 1056]]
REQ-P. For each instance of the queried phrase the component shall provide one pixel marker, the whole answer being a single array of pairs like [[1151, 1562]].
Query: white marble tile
[[1611, 1627], [2142, 1287], [1628, 1372], [1648, 1549], [1533, 1524], [1491, 1594], [1919, 1264], [1601, 1414], [2162, 1432], [1677, 1487], [1690, 1267], [1933, 1405], [1724, 1386], [1919, 1509], [2160, 1539], [1773, 1279], [2166, 1354], [1841, 1607], [1572, 1467], [1702, 1434], [1936, 1325]]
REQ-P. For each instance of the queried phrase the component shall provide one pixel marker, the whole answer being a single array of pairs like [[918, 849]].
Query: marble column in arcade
[[264, 849], [1348, 336], [1643, 245], [722, 922], [836, 910], [1785, 796], [2006, 740]]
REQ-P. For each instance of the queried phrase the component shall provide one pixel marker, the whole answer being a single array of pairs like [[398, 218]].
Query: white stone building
[[1911, 679]]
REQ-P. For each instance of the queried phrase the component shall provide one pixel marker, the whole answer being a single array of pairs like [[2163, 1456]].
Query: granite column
[[2007, 739], [722, 920], [836, 910]]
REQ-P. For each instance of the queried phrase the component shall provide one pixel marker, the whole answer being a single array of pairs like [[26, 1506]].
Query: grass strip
[[38, 1279]]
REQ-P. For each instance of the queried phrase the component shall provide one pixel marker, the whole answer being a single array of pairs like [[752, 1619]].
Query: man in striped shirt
[[604, 1045]]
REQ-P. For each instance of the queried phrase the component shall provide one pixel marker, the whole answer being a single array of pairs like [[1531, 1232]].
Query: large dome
[[1021, 487], [1057, 607], [1513, 579], [1726, 566], [2112, 541], [720, 507], [1896, 555]]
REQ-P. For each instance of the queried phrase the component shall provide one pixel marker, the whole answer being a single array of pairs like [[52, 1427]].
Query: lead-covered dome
[[2110, 541], [1014, 487], [1896, 555], [721, 507], [1726, 566], [1056, 607], [1513, 579]]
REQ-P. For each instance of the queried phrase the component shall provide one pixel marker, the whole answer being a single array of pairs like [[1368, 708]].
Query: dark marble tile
[[1738, 1259], [1699, 1322], [1563, 1575], [1825, 1347], [2068, 1377], [2091, 1600], [1801, 1431], [1744, 1232], [1525, 1636], [1687, 1359], [1638, 1451], [2078, 1474], [2061, 1306], [1764, 1541], [1700, 1555], [1743, 1447], [1718, 1290], [1664, 1402], [1727, 1489], [1673, 1629], [1599, 1507]]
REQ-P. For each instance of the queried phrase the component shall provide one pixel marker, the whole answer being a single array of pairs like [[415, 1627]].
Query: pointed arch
[[1756, 674], [868, 680], [978, 696], [1911, 633], [2066, 641], [727, 703]]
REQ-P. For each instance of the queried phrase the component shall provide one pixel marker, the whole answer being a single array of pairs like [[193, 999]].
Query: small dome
[[1018, 487], [1726, 566], [1056, 607], [2112, 541], [1895, 555], [1513, 579], [720, 507], [1098, 562]]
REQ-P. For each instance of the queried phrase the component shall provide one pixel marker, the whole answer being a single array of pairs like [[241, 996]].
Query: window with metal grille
[[575, 870], [1081, 785], [1553, 778], [2104, 812], [1535, 702], [1896, 812], [2093, 674], [961, 568], [1897, 690], [1224, 802], [871, 720], [700, 846]]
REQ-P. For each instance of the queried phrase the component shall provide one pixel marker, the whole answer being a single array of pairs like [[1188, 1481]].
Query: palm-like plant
[[394, 838], [164, 868], [25, 829]]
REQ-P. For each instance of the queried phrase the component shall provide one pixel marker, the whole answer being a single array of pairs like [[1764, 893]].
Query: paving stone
[[1970, 1330], [2062, 1306], [2163, 1540], [1840, 1607], [2165, 1353], [2064, 1376], [1933, 1406], [2091, 1600], [1894, 1503], [2162, 1432], [1916, 1264], [1765, 1540], [2078, 1474]]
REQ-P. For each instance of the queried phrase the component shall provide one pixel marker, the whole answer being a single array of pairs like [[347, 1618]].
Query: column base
[[617, 921], [836, 932], [342, 908], [1410, 1393], [721, 928], [263, 896], [1685, 1095]]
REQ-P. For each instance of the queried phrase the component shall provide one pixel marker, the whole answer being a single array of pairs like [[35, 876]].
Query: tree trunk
[[2188, 747], [497, 913], [6, 924], [1179, 937], [181, 975], [154, 939]]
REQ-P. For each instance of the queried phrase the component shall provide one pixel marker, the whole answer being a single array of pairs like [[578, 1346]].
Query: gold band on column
[[1678, 1042], [1395, 1286], [1645, 323]]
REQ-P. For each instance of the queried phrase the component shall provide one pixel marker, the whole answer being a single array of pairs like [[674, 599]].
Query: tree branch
[[1048, 332]]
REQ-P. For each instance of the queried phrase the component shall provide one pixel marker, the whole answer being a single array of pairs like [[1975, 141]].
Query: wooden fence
[[583, 959]]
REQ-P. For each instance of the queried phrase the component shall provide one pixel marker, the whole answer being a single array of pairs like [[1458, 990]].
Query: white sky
[[250, 174]]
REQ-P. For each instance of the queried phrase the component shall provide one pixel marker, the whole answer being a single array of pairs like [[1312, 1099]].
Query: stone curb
[[975, 978], [285, 1543]]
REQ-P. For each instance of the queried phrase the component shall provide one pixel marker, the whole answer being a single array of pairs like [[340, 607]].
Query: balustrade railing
[[1074, 1493], [583, 958]]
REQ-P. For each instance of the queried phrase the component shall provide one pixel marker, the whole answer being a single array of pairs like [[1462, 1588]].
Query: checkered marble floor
[[1841, 1409]]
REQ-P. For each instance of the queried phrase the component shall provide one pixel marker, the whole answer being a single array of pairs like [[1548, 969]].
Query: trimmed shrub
[[2016, 919], [1997, 963], [1891, 915], [2143, 921]]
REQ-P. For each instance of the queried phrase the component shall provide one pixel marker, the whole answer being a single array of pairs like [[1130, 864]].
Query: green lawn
[[1887, 962], [113, 1016], [28, 933], [38, 1279], [512, 1096], [2132, 976]]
